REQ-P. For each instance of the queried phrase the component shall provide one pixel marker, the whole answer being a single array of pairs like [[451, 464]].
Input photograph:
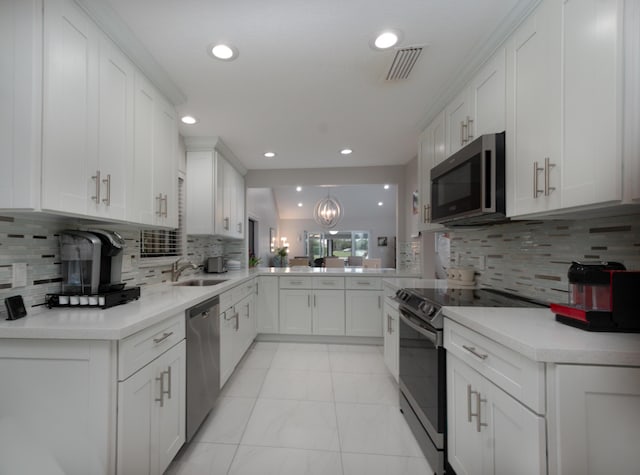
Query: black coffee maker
[[91, 261]]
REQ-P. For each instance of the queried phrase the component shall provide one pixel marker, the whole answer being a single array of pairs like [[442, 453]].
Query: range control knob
[[432, 311]]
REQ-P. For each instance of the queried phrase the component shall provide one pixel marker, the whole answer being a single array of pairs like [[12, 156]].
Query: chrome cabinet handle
[[96, 177], [547, 169], [308, 300], [166, 207], [240, 228], [469, 134], [226, 224], [362, 282], [472, 350], [164, 336], [462, 127], [169, 382], [159, 201], [237, 316], [470, 414], [479, 423], [379, 301], [107, 182], [314, 301], [162, 390], [426, 214], [536, 170]]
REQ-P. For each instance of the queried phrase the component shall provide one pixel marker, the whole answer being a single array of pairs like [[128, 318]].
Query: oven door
[[423, 373]]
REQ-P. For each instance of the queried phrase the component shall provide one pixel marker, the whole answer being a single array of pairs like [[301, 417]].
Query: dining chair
[[354, 261], [333, 262], [372, 263], [298, 261]]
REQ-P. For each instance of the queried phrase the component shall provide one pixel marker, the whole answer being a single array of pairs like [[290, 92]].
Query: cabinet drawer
[[328, 282], [517, 375], [293, 282], [226, 300], [364, 283], [137, 350]]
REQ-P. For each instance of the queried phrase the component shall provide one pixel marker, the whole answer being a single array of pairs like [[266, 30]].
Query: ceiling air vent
[[403, 63]]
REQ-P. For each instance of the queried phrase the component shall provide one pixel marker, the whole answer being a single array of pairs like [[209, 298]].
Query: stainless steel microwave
[[468, 188]]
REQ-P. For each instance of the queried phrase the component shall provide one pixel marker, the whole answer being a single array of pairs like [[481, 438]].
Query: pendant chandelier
[[327, 212]]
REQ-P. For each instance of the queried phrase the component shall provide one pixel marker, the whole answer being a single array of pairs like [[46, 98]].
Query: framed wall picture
[[414, 202], [382, 241]]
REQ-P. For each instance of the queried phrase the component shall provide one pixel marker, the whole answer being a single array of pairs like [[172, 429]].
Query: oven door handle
[[432, 336]]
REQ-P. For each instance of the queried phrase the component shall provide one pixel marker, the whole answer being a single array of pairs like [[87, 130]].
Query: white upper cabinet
[[215, 190], [458, 122], [572, 109], [95, 139], [431, 152], [591, 102], [487, 92], [533, 113], [70, 175]]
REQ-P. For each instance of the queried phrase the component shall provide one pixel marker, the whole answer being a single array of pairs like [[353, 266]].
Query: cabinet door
[[429, 151], [239, 205], [267, 305], [328, 312], [597, 420], [247, 328], [514, 436], [465, 444], [70, 109], [591, 94], [488, 95], [221, 224], [391, 339], [115, 130], [457, 119], [295, 312], [364, 313], [136, 410], [170, 424], [141, 202], [227, 336], [165, 164], [533, 112]]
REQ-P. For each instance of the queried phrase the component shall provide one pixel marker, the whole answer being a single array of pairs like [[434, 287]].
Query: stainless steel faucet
[[177, 269]]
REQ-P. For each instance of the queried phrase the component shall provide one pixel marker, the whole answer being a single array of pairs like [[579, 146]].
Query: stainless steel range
[[423, 391]]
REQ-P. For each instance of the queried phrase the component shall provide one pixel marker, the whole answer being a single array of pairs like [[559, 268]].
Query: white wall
[[410, 186], [261, 206], [293, 230]]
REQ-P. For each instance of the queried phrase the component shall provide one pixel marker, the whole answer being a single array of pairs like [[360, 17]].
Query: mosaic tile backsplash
[[409, 255], [34, 241], [531, 258]]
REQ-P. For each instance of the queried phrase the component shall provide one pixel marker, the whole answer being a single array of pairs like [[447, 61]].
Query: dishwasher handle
[[204, 307]]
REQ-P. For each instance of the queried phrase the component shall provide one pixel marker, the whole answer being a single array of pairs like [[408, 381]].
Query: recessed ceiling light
[[333, 232], [380, 203], [299, 205], [346, 151], [298, 188], [269, 154], [386, 187], [223, 51], [189, 120], [386, 39]]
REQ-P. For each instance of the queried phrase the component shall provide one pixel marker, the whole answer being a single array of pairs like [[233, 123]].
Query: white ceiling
[[358, 201], [306, 82]]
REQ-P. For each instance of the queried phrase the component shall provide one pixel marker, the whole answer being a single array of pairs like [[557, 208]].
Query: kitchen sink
[[200, 282]]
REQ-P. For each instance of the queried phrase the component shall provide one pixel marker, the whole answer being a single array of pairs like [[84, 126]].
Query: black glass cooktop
[[474, 298]]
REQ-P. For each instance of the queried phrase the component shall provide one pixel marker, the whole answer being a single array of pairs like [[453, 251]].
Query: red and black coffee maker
[[602, 297]]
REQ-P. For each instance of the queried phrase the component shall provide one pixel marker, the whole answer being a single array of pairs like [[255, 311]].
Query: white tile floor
[[297, 408]]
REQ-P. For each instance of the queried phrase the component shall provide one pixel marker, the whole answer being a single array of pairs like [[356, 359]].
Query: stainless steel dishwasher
[[203, 362]]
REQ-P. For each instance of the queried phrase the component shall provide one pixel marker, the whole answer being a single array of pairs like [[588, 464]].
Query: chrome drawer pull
[[472, 350], [479, 423], [163, 337]]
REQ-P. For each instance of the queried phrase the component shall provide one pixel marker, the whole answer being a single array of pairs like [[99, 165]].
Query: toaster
[[215, 265]]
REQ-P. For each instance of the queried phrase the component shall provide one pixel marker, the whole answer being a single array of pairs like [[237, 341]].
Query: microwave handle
[[487, 183]]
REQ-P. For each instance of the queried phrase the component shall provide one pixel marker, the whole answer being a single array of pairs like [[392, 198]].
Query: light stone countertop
[[157, 303], [534, 333]]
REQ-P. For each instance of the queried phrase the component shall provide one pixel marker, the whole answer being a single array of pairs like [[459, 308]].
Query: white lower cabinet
[[595, 425], [295, 311], [489, 432], [328, 312], [151, 414], [267, 304], [237, 326], [390, 320], [364, 313]]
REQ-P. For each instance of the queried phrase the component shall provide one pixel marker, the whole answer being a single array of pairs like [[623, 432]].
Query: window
[[341, 244], [165, 242]]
